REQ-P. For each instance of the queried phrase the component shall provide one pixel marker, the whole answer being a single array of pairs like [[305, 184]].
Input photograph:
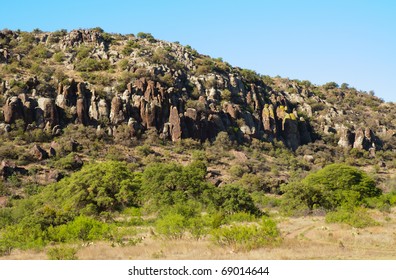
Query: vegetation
[[248, 237], [231, 179], [331, 187]]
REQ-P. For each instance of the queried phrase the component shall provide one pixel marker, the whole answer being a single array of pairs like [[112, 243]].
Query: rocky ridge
[[172, 90]]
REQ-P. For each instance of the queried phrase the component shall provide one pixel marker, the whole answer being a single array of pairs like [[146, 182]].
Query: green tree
[[232, 199], [331, 187], [165, 184]]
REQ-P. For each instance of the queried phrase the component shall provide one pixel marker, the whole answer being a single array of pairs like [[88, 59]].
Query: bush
[[144, 150], [62, 253], [232, 199], [91, 64], [250, 75], [165, 184], [148, 36], [330, 85], [357, 217], [81, 228], [331, 187], [59, 57], [129, 47], [246, 237], [96, 189], [172, 225]]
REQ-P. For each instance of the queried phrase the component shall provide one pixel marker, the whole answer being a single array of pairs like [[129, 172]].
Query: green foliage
[[226, 95], [144, 150], [357, 217], [330, 85], [250, 75], [383, 202], [172, 225], [91, 64], [329, 188], [241, 217], [148, 36], [62, 253], [165, 184], [130, 47], [205, 65], [83, 52], [246, 237], [232, 199], [223, 141], [41, 52], [68, 162], [96, 189], [81, 228], [59, 57]]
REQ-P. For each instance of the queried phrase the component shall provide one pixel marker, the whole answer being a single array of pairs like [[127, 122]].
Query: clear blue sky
[[321, 41]]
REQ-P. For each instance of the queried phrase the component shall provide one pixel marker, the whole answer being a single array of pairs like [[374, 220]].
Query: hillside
[[72, 98]]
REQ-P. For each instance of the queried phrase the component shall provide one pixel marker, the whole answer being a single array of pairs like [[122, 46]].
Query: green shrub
[[330, 85], [241, 217], [81, 228], [62, 253], [199, 226], [165, 184], [246, 237], [148, 36], [144, 150], [357, 217], [383, 202], [171, 226], [91, 64], [59, 57], [83, 52], [232, 199], [129, 47], [331, 187], [68, 162], [250, 75]]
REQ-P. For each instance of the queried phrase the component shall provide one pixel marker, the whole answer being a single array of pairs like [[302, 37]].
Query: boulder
[[46, 112], [13, 110], [38, 152]]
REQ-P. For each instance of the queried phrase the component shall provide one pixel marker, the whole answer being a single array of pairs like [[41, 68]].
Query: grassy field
[[303, 238]]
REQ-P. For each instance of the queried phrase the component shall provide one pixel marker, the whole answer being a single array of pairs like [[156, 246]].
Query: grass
[[303, 238]]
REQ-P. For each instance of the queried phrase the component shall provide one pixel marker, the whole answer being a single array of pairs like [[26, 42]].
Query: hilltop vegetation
[[123, 138]]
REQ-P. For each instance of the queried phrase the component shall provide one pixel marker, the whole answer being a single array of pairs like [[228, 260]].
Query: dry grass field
[[306, 238]]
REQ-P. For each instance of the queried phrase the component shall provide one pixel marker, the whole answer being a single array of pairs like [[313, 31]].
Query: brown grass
[[303, 238]]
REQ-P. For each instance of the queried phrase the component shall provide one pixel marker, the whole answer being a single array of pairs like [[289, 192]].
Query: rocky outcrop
[[168, 98], [39, 153], [175, 124], [46, 112], [116, 112], [346, 138], [13, 110], [359, 139]]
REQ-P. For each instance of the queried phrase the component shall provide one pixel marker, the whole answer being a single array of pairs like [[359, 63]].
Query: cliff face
[[49, 80]]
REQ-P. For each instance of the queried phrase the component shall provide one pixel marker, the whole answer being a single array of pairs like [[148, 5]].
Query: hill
[[189, 129]]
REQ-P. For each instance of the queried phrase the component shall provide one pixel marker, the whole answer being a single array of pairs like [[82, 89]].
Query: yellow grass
[[303, 238]]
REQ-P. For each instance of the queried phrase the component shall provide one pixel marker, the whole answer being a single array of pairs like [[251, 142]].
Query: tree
[[331, 187], [330, 85], [165, 184], [232, 199], [97, 187]]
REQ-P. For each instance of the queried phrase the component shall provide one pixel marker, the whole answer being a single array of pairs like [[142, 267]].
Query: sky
[[345, 41]]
